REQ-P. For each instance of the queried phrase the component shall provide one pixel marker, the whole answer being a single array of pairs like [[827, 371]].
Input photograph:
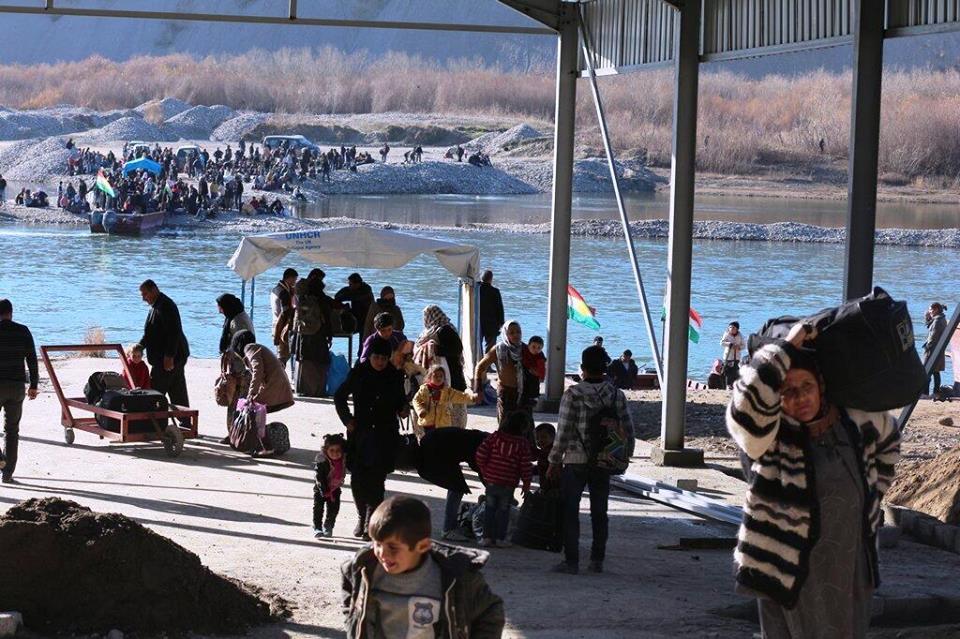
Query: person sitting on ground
[[434, 400], [139, 376], [504, 459], [623, 371], [406, 585], [383, 328], [331, 470], [715, 378], [269, 384], [816, 476], [534, 370], [545, 435], [277, 207]]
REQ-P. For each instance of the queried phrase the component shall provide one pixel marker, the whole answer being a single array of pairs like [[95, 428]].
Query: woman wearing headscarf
[[235, 319], [269, 384], [507, 354], [816, 475], [439, 345]]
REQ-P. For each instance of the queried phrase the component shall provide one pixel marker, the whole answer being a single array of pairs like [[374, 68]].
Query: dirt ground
[[250, 519]]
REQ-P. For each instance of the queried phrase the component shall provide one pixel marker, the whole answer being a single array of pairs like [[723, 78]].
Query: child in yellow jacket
[[434, 400]]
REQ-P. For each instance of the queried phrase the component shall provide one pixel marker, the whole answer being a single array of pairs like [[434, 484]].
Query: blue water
[[63, 282]]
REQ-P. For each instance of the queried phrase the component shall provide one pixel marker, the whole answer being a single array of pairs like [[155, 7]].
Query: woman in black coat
[[373, 428]]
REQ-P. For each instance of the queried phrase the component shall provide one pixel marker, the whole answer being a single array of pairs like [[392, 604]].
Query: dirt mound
[[493, 143], [159, 110], [198, 123], [931, 486], [124, 129], [81, 571]]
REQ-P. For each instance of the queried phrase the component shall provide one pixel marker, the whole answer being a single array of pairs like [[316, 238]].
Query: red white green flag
[[696, 324], [579, 311], [104, 184]]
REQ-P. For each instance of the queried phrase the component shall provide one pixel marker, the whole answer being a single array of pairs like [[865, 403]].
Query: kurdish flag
[[579, 311], [104, 184], [696, 324]]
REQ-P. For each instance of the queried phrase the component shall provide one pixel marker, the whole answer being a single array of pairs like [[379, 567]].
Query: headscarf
[[510, 354], [434, 319], [240, 341], [232, 306]]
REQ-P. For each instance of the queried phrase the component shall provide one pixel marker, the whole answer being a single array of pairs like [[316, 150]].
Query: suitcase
[[538, 524], [125, 400], [98, 383]]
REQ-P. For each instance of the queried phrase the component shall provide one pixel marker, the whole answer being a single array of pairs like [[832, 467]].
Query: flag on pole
[[579, 311], [696, 324], [104, 184]]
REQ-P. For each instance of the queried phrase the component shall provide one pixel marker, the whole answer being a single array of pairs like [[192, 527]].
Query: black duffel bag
[[125, 400], [866, 352], [538, 523], [98, 383]]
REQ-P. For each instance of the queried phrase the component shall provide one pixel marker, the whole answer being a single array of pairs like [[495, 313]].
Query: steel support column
[[564, 123], [671, 451], [868, 23]]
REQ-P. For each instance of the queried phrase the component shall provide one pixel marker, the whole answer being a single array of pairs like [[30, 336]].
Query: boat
[[133, 224]]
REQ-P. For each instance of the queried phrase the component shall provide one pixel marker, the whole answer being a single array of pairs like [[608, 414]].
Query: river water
[[63, 282]]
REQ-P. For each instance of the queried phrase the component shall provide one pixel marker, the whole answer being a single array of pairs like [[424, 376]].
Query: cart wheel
[[68, 436], [173, 440]]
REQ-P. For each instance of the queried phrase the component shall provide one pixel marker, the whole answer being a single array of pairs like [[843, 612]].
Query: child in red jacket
[[139, 372], [534, 370], [503, 459]]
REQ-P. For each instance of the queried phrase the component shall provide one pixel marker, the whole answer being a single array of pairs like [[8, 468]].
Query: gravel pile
[[124, 129], [58, 120], [589, 176], [198, 123], [425, 177], [35, 160], [163, 109], [235, 128], [491, 143], [87, 572]]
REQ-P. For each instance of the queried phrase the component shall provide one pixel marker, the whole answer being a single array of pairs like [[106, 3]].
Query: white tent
[[368, 247]]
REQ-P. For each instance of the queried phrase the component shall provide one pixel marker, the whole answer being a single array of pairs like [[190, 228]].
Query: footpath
[[251, 519]]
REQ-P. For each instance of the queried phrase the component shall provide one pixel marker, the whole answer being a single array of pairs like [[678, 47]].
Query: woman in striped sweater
[[817, 473]]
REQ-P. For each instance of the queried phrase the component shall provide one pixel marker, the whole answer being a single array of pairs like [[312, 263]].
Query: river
[[63, 282]]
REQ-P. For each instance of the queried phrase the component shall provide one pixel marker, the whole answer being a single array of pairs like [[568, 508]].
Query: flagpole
[[628, 235]]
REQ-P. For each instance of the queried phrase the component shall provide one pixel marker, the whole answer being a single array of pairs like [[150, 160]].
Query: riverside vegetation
[[747, 125]]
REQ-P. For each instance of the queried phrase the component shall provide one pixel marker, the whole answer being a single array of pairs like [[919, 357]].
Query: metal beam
[[50, 10], [546, 12], [563, 138], [621, 207], [671, 451], [864, 148]]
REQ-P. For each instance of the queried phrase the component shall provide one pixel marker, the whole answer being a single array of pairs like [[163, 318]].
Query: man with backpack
[[594, 441]]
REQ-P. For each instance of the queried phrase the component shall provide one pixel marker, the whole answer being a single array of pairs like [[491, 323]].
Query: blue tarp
[[142, 163]]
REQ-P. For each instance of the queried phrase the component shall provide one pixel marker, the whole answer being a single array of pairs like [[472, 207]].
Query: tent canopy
[[353, 246], [141, 163]]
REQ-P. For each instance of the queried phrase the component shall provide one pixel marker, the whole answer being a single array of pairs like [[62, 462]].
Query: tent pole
[[459, 306], [243, 293], [253, 288]]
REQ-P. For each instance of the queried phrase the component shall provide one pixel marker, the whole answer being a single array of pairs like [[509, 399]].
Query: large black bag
[[538, 524], [100, 382], [867, 355], [865, 351], [125, 400]]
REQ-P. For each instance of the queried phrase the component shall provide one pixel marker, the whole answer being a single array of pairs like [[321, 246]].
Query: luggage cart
[[166, 426]]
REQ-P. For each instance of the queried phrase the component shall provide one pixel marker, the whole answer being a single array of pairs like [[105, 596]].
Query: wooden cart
[[166, 424]]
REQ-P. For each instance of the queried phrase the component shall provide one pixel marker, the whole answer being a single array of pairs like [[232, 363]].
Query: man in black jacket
[[16, 347], [491, 311], [360, 296], [165, 344]]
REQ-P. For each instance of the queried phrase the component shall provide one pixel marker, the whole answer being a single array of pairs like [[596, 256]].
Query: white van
[[293, 142]]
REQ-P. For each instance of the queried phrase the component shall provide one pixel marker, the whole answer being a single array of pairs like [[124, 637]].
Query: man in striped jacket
[[569, 462]]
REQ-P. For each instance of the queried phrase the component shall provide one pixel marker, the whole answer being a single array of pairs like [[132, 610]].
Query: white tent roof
[[353, 246]]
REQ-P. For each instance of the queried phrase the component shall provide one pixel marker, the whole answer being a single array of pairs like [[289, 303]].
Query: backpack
[[99, 383], [607, 444], [309, 316]]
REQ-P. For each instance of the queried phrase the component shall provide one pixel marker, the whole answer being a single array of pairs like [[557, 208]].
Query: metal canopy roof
[[631, 34]]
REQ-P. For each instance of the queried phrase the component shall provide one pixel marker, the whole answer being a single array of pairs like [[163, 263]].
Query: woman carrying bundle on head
[[816, 473]]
